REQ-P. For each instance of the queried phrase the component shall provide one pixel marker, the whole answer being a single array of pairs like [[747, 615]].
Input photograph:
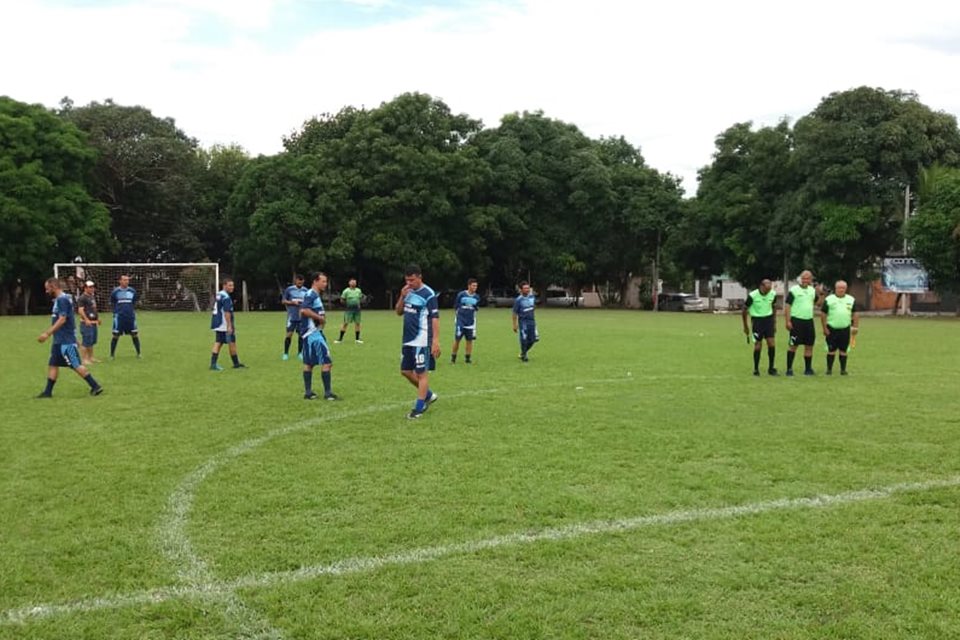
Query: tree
[[935, 229], [220, 170], [46, 213], [144, 174]]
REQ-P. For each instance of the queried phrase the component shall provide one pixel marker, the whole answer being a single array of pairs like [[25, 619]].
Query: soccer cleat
[[789, 373], [216, 367], [97, 390], [285, 357], [433, 397], [524, 359], [756, 373], [829, 372], [773, 372], [44, 395], [338, 342], [359, 341], [331, 396], [843, 372], [310, 396], [139, 357], [240, 366], [414, 414], [809, 372]]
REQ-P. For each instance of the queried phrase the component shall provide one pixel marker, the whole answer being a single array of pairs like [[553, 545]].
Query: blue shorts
[[417, 359], [64, 355], [123, 326], [528, 333], [467, 333], [293, 325], [225, 338], [88, 335], [315, 350]]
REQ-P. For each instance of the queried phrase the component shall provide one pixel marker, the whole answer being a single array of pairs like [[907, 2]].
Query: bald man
[[798, 308]]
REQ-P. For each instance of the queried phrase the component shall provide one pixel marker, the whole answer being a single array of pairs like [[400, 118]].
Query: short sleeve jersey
[[293, 292], [63, 308], [523, 308], [466, 305], [222, 305], [88, 303], [761, 305], [124, 301], [313, 302], [801, 301], [839, 311], [420, 307], [351, 297]]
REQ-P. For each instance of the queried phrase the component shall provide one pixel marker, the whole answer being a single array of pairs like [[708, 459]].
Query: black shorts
[[838, 340], [802, 333], [763, 328]]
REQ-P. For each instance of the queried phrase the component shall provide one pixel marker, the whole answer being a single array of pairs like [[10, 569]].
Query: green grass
[[618, 415]]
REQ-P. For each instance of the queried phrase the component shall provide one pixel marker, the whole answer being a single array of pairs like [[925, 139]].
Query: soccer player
[[224, 325], [63, 351], [351, 297], [89, 321], [798, 311], [465, 324], [524, 322], [315, 350], [839, 319], [292, 299], [418, 305], [763, 314], [124, 299]]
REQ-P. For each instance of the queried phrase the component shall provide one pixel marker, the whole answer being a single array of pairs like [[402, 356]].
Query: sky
[[668, 76]]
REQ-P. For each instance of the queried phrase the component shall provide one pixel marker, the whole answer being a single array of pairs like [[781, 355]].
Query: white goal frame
[[79, 270]]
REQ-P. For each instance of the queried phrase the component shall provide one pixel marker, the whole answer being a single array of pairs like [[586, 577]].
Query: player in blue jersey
[[315, 348], [224, 325], [124, 299], [292, 298], [63, 351], [524, 322], [417, 304], [465, 324]]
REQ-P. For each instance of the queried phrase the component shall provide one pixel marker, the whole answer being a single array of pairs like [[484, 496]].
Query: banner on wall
[[904, 275]]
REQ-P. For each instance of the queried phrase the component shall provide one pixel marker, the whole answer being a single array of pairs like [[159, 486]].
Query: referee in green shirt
[[840, 319], [798, 308], [759, 305], [351, 298]]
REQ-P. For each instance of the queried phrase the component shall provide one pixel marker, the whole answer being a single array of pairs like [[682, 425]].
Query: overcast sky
[[669, 76]]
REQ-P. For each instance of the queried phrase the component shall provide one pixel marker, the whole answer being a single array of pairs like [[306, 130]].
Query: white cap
[[89, 283]]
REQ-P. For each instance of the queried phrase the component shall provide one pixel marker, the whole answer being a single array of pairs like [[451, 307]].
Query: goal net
[[159, 286]]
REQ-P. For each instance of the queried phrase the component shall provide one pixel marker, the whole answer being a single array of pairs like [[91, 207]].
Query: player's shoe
[[311, 396], [44, 395], [139, 356], [216, 367], [285, 357], [240, 366], [524, 359], [433, 397], [97, 390], [359, 341], [809, 372], [756, 372], [843, 372], [331, 396], [338, 342], [829, 372], [414, 415], [789, 373], [772, 372]]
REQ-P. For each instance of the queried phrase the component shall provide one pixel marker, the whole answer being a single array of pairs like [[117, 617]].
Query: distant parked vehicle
[[501, 297], [679, 302], [557, 297]]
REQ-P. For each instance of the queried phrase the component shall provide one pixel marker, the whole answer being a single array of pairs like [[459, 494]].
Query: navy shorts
[[528, 333], [293, 325], [802, 333], [467, 333], [122, 326], [225, 338], [88, 335], [64, 355], [417, 359], [763, 328], [315, 350]]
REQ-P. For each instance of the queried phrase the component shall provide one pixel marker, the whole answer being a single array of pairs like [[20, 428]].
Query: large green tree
[[220, 170], [46, 212], [935, 229]]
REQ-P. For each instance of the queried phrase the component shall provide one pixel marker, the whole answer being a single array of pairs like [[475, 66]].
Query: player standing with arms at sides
[[315, 349], [292, 299], [89, 321], [524, 322], [351, 297], [763, 314], [419, 307], [465, 323], [839, 320], [124, 299], [63, 351], [224, 325], [798, 311]]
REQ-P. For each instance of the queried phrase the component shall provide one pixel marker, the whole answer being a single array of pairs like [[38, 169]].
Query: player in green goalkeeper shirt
[[351, 297]]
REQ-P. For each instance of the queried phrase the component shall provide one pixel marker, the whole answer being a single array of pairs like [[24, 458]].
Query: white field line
[[218, 590]]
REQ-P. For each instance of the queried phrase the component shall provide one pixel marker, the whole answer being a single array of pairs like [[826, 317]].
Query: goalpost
[[161, 286]]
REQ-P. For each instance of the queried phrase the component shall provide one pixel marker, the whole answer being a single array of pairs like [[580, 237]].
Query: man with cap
[[89, 322]]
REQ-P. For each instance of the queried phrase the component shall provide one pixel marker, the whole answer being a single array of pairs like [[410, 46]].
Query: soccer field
[[634, 480]]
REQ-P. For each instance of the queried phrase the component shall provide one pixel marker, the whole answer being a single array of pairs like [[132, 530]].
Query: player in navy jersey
[[465, 323], [315, 348], [292, 298], [524, 323], [223, 322], [124, 299], [63, 351], [417, 304]]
